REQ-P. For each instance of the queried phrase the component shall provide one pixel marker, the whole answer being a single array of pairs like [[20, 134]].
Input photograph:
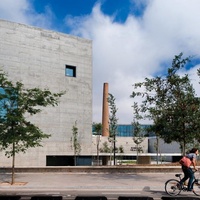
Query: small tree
[[109, 149], [75, 143], [112, 122], [120, 150], [17, 134], [138, 136], [105, 148], [97, 129]]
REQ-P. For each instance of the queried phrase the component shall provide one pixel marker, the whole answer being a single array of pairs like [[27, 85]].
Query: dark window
[[70, 71], [59, 160]]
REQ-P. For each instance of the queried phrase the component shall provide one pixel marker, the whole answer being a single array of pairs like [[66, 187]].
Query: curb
[[95, 169]]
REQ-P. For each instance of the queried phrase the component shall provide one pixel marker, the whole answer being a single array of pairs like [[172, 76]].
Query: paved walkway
[[73, 184], [82, 181]]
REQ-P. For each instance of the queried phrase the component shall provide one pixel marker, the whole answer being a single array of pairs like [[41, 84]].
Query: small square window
[[70, 71]]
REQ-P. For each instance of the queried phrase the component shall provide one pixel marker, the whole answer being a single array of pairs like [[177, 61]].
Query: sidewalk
[[74, 184], [69, 181]]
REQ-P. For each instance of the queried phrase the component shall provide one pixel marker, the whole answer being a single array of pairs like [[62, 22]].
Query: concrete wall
[[126, 142], [173, 147], [38, 57]]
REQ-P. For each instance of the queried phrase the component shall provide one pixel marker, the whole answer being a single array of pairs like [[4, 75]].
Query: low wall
[[97, 169]]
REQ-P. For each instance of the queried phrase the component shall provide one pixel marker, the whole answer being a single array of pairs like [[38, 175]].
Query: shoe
[[179, 186], [190, 190]]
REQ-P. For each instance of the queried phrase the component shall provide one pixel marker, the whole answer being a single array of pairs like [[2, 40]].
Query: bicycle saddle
[[177, 175]]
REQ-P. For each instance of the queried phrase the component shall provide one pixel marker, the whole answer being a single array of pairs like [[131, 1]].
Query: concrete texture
[[38, 58]]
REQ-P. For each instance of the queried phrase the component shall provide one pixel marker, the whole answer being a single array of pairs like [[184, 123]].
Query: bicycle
[[174, 188]]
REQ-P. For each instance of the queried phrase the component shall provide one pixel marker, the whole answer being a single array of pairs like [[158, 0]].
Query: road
[[71, 185]]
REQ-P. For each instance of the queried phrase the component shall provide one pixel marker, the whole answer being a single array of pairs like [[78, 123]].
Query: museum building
[[60, 62]]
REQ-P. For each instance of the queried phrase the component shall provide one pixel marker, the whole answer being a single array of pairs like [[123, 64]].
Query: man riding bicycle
[[188, 172]]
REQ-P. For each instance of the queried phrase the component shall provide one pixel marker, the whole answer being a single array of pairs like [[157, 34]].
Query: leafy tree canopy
[[17, 134], [171, 103]]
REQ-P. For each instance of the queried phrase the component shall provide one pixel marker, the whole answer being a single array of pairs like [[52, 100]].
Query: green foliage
[[171, 103], [75, 142], [17, 134], [113, 121], [120, 149], [138, 136], [97, 128], [105, 148], [16, 102]]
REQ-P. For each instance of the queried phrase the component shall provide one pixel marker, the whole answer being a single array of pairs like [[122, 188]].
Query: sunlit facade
[[60, 62]]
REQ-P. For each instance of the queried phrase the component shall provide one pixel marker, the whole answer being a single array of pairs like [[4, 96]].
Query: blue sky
[[60, 10], [119, 8], [132, 39]]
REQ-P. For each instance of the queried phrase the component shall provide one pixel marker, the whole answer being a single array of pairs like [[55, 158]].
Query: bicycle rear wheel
[[172, 187], [196, 187]]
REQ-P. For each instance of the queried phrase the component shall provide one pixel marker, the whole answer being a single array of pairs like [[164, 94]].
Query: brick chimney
[[105, 111]]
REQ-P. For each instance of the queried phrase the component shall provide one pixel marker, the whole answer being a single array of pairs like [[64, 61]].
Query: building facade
[[59, 62]]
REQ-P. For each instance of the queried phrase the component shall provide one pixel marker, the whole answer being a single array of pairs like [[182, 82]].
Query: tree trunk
[[98, 139], [137, 153], [114, 147], [13, 165], [184, 149], [74, 160], [157, 150]]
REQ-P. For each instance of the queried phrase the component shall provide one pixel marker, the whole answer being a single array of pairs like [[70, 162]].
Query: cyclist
[[188, 172]]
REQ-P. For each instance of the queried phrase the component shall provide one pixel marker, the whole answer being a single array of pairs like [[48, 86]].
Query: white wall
[[38, 57], [126, 142]]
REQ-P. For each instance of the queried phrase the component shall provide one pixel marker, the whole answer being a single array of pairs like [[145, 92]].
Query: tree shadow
[[5, 178]]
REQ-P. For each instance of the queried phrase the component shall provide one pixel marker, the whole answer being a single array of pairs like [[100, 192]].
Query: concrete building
[[59, 62], [127, 144]]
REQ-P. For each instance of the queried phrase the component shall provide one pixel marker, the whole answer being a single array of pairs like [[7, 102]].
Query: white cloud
[[172, 25], [14, 10], [126, 53], [21, 11]]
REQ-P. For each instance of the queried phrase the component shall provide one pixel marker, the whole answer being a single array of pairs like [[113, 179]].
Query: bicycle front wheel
[[196, 187], [172, 187]]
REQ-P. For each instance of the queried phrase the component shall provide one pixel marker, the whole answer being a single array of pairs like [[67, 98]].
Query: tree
[[105, 148], [113, 122], [97, 129], [171, 103], [138, 136], [17, 134], [75, 143]]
